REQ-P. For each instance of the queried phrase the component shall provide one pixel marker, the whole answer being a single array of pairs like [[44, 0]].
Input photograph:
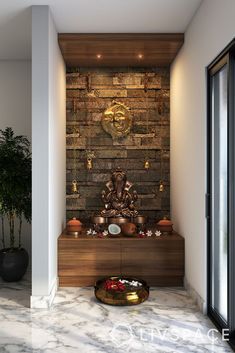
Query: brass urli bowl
[[132, 296]]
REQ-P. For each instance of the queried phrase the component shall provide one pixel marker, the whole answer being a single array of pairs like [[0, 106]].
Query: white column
[[48, 154]]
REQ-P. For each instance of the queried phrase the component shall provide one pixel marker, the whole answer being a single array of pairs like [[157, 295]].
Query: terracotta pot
[[128, 229], [73, 226], [165, 225]]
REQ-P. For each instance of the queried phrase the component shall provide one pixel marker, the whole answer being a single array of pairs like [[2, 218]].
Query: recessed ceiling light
[[99, 56], [140, 56]]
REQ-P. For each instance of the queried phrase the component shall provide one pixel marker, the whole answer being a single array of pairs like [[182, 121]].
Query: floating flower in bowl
[[114, 285]]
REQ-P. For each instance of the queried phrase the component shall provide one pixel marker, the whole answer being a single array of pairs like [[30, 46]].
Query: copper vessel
[[128, 297]]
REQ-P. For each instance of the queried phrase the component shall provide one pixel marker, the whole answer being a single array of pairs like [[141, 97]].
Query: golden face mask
[[117, 120]]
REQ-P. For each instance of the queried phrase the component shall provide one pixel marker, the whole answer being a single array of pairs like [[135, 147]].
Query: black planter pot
[[13, 264]]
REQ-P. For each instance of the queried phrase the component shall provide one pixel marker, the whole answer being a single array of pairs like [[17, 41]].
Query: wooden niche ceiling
[[120, 49]]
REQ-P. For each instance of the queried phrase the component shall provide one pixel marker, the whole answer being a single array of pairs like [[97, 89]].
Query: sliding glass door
[[219, 193], [221, 210]]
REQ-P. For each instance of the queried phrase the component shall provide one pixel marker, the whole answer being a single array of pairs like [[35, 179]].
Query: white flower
[[105, 233], [141, 232], [89, 232], [149, 233], [158, 233], [135, 283], [130, 283], [94, 232]]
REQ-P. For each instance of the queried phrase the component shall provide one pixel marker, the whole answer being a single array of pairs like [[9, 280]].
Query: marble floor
[[168, 322]]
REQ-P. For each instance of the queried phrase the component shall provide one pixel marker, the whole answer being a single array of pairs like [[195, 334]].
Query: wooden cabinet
[[159, 261], [83, 260]]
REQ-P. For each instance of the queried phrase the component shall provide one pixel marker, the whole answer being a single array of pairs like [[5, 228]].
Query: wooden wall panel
[[120, 49]]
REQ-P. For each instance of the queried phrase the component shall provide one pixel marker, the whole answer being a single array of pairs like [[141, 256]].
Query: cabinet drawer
[[89, 258]]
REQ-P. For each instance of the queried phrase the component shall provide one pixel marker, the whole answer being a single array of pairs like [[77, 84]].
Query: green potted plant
[[15, 202]]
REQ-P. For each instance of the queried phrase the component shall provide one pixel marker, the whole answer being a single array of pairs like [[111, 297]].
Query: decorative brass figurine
[[119, 202], [117, 120]]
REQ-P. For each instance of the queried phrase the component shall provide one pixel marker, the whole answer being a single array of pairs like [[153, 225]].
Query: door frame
[[227, 56]]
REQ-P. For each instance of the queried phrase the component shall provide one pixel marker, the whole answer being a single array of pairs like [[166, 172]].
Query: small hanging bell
[[161, 186], [89, 163], [146, 164], [75, 187]]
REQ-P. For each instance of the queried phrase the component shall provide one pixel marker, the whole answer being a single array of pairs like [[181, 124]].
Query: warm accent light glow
[[99, 56], [140, 56]]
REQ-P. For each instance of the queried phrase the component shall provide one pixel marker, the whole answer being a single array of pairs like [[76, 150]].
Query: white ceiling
[[91, 16]]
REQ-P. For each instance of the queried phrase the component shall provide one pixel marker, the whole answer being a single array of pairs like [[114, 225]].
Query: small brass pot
[[99, 220], [128, 297], [140, 219], [118, 220]]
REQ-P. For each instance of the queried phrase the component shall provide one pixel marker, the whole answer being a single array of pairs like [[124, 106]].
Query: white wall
[[48, 143], [15, 109], [57, 147], [211, 29]]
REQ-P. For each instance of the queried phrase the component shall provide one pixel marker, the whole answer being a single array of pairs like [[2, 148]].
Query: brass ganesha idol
[[118, 200]]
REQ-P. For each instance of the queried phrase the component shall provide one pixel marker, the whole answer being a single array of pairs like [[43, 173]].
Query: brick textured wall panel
[[84, 130]]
